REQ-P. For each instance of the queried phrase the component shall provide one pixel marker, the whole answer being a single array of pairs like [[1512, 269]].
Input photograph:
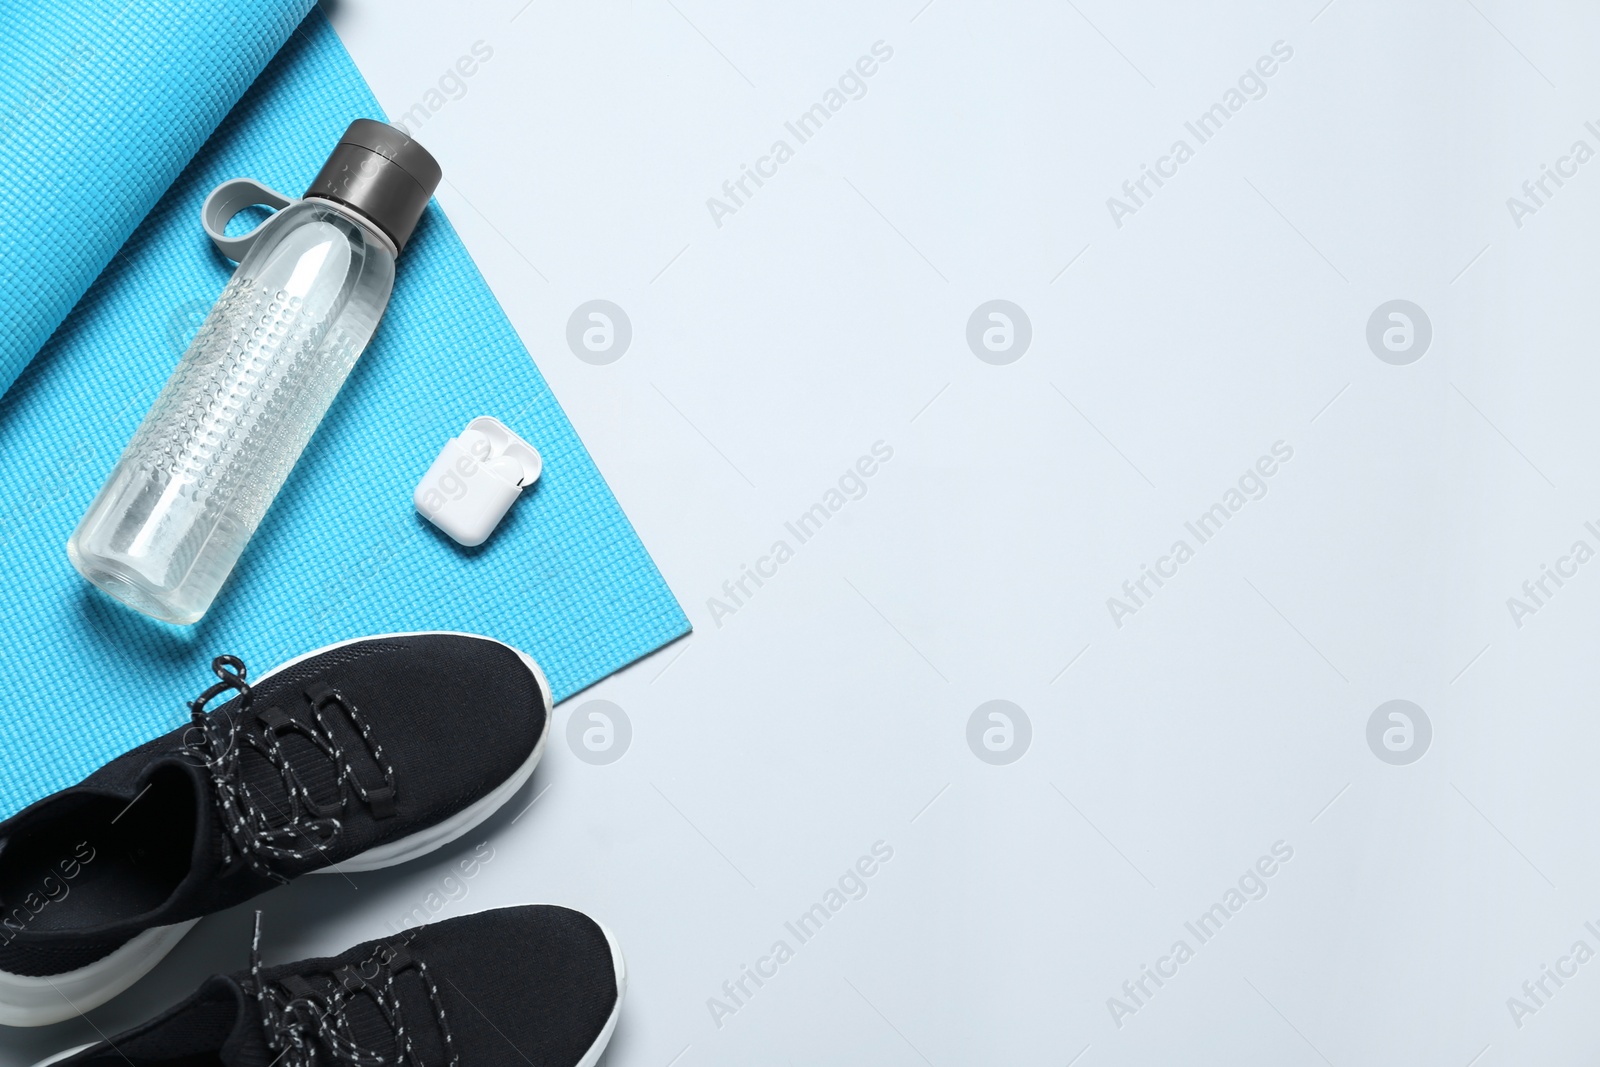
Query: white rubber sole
[[58, 1057], [41, 1001], [620, 965], [29, 1001]]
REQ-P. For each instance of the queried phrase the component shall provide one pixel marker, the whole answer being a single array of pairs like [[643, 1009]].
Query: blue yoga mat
[[341, 553], [101, 107]]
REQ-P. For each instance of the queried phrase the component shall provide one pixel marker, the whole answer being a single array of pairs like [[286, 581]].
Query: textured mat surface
[[341, 553], [101, 106]]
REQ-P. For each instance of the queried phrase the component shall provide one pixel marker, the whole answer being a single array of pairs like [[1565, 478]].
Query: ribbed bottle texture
[[224, 433]]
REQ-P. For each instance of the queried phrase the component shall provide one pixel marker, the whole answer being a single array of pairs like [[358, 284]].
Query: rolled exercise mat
[[102, 105], [342, 553]]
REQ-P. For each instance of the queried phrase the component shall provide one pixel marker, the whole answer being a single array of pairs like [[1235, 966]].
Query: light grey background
[[1230, 712]]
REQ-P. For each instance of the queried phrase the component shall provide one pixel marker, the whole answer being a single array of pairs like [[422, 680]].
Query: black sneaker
[[532, 985], [357, 756]]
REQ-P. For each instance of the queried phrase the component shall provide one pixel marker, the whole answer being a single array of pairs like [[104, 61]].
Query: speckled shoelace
[[257, 829], [305, 1025]]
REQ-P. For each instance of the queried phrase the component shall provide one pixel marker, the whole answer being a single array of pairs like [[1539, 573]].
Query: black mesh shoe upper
[[507, 988], [353, 748]]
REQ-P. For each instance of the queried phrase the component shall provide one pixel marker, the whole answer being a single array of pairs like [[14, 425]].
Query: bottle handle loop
[[226, 201]]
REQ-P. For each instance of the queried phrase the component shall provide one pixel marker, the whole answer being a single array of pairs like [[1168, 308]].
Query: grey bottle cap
[[381, 173]]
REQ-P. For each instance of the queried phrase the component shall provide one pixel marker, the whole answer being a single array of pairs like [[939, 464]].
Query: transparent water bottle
[[201, 471]]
